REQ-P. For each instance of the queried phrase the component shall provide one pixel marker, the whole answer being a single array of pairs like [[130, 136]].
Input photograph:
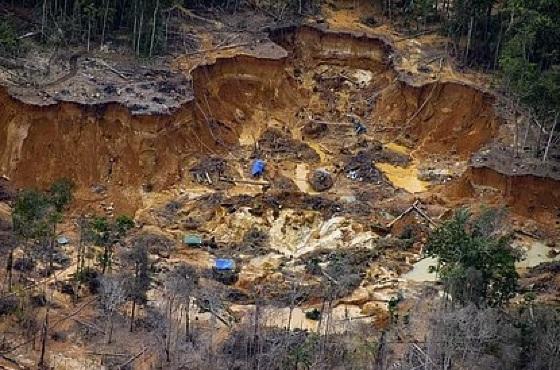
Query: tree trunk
[[528, 123], [104, 22], [140, 30], [133, 311], [168, 338], [290, 317], [550, 137], [188, 320], [153, 37], [516, 138], [10, 269], [105, 260], [134, 27], [541, 128], [110, 328], [469, 35], [44, 339], [44, 19]]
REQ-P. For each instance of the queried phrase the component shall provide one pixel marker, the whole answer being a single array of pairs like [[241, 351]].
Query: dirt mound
[[278, 145], [544, 278], [210, 169], [361, 167], [283, 183], [320, 180], [314, 129]]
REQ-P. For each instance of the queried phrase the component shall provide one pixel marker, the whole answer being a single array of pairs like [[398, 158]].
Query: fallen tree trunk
[[240, 181]]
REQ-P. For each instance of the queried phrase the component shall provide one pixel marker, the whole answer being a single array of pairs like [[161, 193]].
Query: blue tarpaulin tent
[[224, 264], [257, 168]]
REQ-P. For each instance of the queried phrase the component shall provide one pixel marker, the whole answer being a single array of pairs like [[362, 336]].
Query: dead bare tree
[[550, 136], [113, 290], [181, 282]]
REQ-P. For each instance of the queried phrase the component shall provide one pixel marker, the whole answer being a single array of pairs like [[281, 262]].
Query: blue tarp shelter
[[224, 264], [257, 168]]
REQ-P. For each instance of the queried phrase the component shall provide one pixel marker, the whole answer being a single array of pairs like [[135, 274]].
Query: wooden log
[[241, 181]]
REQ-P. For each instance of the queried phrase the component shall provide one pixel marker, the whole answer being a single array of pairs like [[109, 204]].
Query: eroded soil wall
[[106, 144], [311, 46], [94, 144], [235, 91], [442, 118], [532, 196]]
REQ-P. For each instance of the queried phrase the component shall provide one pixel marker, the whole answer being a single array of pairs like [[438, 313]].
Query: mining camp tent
[[224, 264], [62, 240], [192, 240], [257, 168]]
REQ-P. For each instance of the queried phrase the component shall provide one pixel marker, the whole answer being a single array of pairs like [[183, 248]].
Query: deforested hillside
[[278, 184]]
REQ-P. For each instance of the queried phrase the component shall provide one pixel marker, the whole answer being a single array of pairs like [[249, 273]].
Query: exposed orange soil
[[237, 97]]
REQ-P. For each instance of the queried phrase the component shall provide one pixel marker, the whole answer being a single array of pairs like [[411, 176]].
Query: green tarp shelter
[[192, 240]]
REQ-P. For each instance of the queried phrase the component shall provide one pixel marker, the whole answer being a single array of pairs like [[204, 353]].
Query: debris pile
[[320, 180], [361, 167], [314, 129], [283, 183], [280, 146], [209, 170]]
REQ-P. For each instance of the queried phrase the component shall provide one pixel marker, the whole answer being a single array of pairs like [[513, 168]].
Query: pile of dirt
[[543, 278], [283, 183], [361, 167], [347, 267], [320, 180], [314, 129], [209, 169], [325, 206], [278, 145], [255, 243]]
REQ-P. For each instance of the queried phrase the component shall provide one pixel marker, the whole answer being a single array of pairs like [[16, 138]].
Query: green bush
[[475, 261], [9, 42]]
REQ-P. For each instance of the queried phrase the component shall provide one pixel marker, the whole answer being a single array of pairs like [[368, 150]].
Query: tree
[[106, 234], [61, 193], [10, 44], [30, 216], [113, 290], [8, 247], [181, 283], [137, 262], [475, 262], [529, 61], [36, 215]]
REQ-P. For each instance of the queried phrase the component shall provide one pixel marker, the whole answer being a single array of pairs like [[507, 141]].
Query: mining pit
[[292, 100]]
